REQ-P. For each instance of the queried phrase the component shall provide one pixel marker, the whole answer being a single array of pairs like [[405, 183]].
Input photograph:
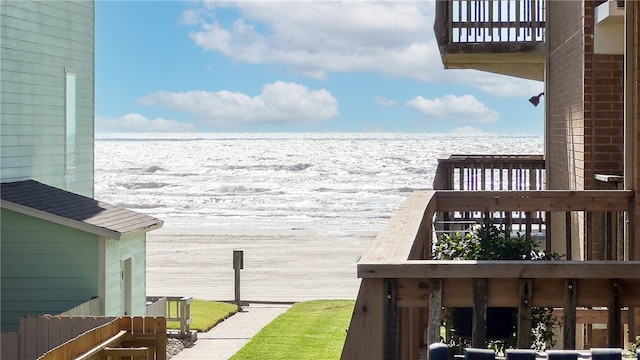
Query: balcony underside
[[523, 60]]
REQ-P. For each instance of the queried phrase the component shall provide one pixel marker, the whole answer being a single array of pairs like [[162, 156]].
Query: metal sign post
[[238, 264]]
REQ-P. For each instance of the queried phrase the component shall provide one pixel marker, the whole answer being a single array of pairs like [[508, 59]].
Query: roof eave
[[75, 224]]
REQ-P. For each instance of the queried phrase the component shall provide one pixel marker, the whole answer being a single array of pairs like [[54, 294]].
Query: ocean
[[334, 183]]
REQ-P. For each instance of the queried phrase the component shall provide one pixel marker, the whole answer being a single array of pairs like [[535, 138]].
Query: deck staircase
[[498, 36]]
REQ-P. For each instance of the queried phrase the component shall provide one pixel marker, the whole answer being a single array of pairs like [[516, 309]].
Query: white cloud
[[317, 38], [462, 109], [135, 122], [384, 102], [279, 102]]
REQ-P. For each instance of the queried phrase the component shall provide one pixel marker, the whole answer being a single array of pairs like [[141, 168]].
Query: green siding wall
[[40, 39], [117, 251], [45, 267]]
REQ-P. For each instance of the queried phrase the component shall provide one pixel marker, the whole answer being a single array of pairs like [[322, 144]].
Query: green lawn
[[206, 314], [309, 330]]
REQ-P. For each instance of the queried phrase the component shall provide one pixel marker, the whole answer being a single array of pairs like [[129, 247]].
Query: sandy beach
[[279, 265]]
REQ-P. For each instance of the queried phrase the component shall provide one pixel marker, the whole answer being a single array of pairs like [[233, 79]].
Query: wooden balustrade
[[489, 21], [491, 172], [179, 309], [403, 291]]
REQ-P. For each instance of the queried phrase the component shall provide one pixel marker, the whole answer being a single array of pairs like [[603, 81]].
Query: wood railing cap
[[501, 269]]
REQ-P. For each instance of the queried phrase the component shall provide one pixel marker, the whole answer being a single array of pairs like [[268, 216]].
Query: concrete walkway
[[228, 337]]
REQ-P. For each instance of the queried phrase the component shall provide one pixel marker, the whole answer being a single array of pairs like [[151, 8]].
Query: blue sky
[[312, 66]]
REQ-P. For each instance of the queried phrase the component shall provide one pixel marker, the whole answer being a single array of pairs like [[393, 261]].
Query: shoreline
[[280, 265]]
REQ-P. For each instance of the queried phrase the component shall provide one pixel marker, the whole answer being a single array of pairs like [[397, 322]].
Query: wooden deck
[[500, 36], [402, 291]]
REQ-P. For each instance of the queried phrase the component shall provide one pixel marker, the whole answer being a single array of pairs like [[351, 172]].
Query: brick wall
[[585, 110], [585, 95], [565, 94], [607, 112], [565, 110]]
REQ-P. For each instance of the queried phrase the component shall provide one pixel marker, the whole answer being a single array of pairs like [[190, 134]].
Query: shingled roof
[[76, 211]]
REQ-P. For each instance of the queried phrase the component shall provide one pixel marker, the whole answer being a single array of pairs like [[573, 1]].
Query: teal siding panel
[[15, 81], [9, 324], [34, 120], [61, 283], [60, 295], [57, 10], [18, 161], [44, 267], [134, 248], [27, 307], [40, 39], [25, 98], [24, 140], [47, 260], [82, 272]]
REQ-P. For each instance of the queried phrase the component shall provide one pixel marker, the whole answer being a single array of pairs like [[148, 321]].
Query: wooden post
[[614, 324], [238, 264], [528, 226], [411, 336], [391, 320], [569, 320], [435, 311], [524, 313], [547, 231], [479, 325], [567, 234], [365, 336], [633, 322], [610, 246]]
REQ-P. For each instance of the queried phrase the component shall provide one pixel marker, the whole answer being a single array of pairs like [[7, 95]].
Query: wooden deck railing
[[489, 21], [402, 291], [179, 309], [492, 172]]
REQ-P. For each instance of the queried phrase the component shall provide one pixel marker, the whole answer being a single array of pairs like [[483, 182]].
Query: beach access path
[[228, 337], [279, 265]]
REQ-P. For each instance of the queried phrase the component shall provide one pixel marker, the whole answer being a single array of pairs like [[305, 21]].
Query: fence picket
[[9, 345], [54, 325], [42, 337]]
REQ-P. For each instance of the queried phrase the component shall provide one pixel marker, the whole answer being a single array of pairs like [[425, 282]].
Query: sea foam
[[330, 182]]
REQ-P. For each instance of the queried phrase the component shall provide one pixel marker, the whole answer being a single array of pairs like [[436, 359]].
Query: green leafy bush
[[490, 242]]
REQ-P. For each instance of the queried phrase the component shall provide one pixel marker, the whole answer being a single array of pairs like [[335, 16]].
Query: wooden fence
[[88, 308], [156, 306], [58, 337], [39, 334], [137, 338]]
